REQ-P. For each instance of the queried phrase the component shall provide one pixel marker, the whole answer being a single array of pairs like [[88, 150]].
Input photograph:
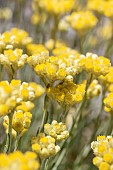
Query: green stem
[[45, 115], [17, 141], [7, 147], [79, 109], [97, 121], [50, 117], [60, 159], [96, 130], [13, 75], [1, 68], [64, 114], [54, 30], [43, 164]]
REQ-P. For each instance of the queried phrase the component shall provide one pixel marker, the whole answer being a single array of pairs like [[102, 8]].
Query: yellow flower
[[56, 130], [44, 146], [20, 122], [108, 102], [35, 18], [4, 109], [15, 38], [94, 89], [102, 6], [108, 158], [55, 7], [82, 21], [67, 93], [19, 161], [104, 166], [103, 151]]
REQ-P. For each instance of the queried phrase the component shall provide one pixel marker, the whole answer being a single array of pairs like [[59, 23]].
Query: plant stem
[[1, 68], [54, 30], [60, 159], [7, 147], [45, 115], [43, 164], [17, 141]]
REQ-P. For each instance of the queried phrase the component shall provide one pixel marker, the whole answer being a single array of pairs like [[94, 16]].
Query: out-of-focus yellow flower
[[35, 18], [96, 5], [15, 38], [51, 43], [44, 146], [103, 150], [82, 21], [56, 130], [107, 80], [19, 161], [94, 89], [35, 49], [5, 13], [63, 25], [55, 7], [25, 106], [63, 50], [102, 6], [108, 102]]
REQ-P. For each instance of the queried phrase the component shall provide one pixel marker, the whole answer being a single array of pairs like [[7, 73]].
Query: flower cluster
[[56, 130], [53, 7], [107, 80], [97, 65], [14, 93], [63, 50], [82, 21], [40, 55], [20, 122], [36, 49], [44, 146], [20, 161], [56, 67], [67, 62], [94, 89], [15, 38], [103, 151], [12, 60], [102, 6], [67, 93], [108, 102]]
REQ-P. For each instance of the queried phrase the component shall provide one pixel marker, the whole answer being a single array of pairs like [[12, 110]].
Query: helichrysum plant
[[56, 85]]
